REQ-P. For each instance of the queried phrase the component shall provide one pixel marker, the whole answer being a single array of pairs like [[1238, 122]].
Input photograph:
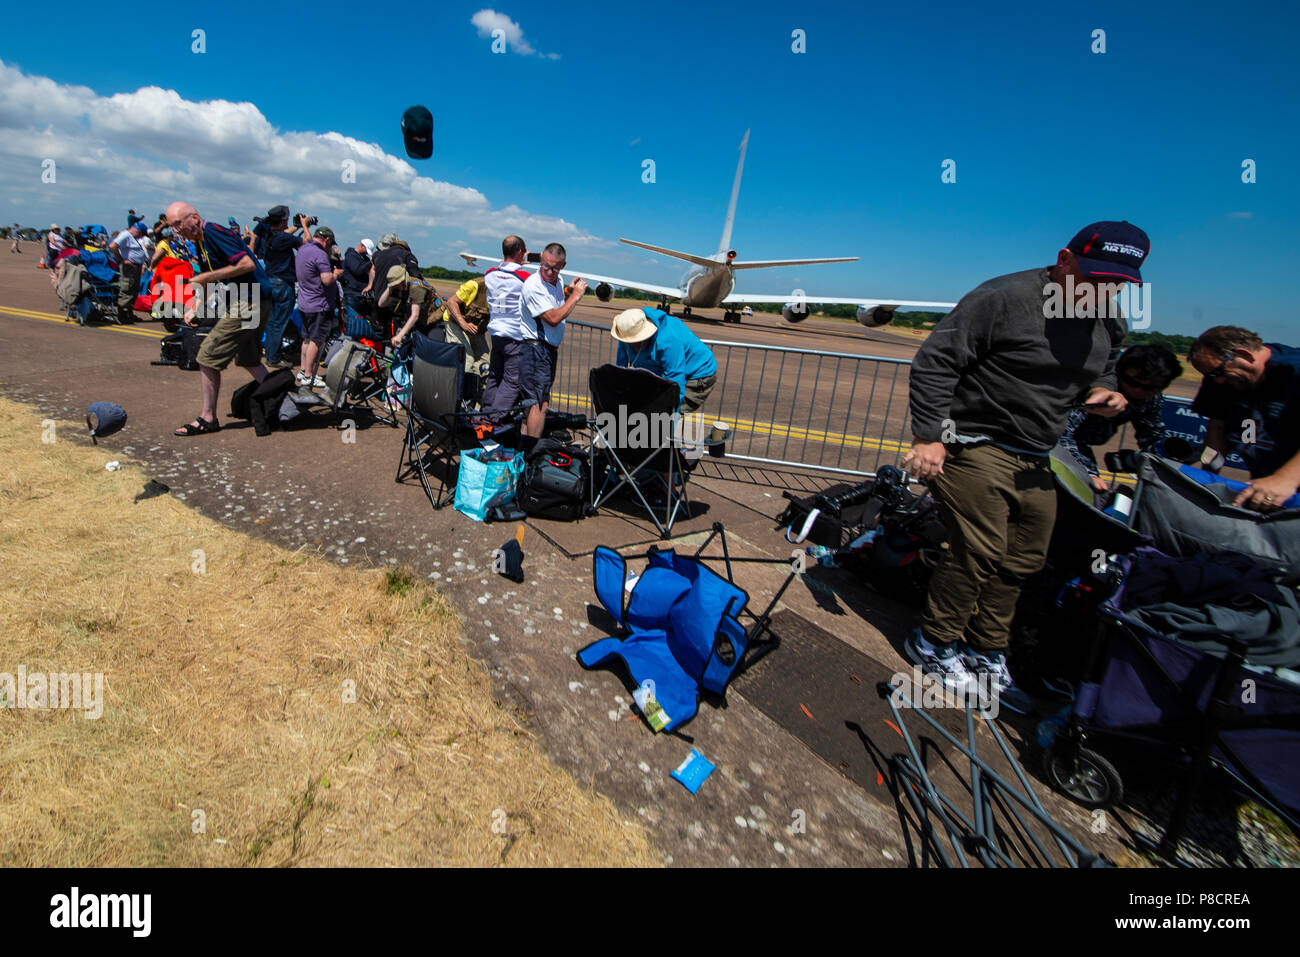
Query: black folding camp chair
[[634, 437], [439, 426], [356, 379]]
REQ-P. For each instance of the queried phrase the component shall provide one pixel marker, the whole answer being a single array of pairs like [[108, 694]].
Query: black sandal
[[199, 426]]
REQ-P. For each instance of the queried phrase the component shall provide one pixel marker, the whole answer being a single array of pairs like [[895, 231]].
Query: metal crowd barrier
[[826, 411]]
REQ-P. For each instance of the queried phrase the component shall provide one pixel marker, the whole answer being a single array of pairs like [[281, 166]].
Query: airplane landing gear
[[730, 316]]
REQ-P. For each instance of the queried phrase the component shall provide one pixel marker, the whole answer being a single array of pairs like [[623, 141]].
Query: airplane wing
[[672, 292], [740, 297], [772, 263]]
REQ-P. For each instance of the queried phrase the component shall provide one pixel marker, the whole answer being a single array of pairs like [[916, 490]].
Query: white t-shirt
[[130, 247], [504, 291], [539, 297]]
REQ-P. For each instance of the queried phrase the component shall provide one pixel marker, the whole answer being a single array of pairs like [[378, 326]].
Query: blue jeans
[[282, 296]]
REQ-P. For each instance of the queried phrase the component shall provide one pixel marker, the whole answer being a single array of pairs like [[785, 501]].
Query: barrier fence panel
[[830, 412], [826, 411]]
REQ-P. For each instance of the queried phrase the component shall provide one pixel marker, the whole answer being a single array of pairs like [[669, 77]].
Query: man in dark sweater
[[991, 390], [276, 245]]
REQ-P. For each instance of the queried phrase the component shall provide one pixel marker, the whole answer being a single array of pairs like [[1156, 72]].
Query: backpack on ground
[[554, 482]]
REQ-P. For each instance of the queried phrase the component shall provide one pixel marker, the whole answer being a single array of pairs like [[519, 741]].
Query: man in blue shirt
[[1251, 395], [652, 339], [229, 274]]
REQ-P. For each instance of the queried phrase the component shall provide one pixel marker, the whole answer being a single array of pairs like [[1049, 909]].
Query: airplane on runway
[[711, 281]]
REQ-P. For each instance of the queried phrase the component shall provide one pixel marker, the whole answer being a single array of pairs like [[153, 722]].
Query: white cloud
[[151, 147], [487, 21]]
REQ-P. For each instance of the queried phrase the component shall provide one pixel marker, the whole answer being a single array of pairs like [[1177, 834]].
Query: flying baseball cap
[[370, 246], [1111, 250], [631, 325], [396, 276]]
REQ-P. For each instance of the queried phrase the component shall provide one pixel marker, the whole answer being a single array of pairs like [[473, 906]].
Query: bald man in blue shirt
[[652, 339]]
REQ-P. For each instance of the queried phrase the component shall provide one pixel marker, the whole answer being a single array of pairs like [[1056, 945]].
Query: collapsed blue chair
[[681, 634]]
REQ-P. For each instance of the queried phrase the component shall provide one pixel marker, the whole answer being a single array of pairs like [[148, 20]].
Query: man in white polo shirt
[[132, 257], [544, 308], [505, 288]]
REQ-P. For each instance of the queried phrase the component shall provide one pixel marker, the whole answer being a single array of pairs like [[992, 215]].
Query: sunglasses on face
[[1219, 370], [1138, 384]]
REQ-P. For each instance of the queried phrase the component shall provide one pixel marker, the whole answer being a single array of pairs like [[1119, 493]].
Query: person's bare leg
[[310, 353], [534, 419], [211, 379]]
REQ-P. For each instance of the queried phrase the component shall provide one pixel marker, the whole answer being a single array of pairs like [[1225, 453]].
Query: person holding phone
[[1143, 373], [991, 389]]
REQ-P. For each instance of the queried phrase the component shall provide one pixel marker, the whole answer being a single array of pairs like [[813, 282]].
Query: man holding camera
[[544, 307], [991, 389], [318, 300], [276, 245]]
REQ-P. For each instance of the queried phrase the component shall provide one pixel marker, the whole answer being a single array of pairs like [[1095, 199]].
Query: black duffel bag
[[554, 483]]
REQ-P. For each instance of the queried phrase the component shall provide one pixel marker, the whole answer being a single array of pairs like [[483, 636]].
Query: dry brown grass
[[224, 693]]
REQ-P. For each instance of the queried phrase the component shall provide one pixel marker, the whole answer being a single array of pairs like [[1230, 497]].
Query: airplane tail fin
[[735, 194]]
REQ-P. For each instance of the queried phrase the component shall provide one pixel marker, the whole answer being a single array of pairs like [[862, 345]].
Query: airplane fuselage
[[706, 288]]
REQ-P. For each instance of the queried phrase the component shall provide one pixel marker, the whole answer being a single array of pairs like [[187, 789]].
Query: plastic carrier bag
[[487, 478]]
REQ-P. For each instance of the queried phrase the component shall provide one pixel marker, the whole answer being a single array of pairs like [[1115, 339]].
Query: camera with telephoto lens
[[890, 486], [311, 220]]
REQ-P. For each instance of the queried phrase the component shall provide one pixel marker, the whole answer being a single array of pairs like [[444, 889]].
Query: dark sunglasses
[[1218, 371], [1136, 383]]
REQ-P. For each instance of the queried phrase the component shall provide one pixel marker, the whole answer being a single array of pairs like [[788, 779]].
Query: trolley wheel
[[1086, 777]]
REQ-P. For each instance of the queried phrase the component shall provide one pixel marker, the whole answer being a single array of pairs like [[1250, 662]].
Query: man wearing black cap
[[991, 389], [276, 246]]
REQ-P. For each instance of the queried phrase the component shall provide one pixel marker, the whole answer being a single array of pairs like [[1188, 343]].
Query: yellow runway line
[[55, 317], [792, 431]]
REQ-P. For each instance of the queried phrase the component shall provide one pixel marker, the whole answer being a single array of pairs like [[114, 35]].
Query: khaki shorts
[[697, 391], [230, 340]]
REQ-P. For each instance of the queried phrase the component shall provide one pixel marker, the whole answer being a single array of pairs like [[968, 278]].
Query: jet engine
[[877, 315], [795, 311]]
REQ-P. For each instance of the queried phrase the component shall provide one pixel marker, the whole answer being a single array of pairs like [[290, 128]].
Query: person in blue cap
[[652, 339]]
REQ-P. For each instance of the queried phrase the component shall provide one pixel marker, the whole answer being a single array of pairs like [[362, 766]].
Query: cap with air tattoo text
[[1111, 250]]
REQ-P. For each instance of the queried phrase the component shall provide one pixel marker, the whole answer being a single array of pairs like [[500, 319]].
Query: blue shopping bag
[[486, 479]]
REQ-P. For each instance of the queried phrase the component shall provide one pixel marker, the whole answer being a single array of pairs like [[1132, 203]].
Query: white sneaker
[[943, 661], [316, 382]]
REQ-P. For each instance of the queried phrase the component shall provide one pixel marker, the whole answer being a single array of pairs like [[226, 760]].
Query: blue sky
[[845, 154]]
